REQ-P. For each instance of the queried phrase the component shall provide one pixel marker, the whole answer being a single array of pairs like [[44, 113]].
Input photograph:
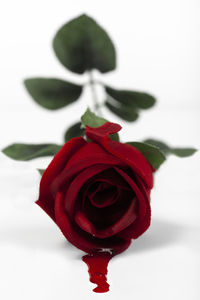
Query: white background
[[159, 52]]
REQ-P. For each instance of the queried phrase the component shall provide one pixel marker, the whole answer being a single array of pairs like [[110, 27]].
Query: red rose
[[98, 192]]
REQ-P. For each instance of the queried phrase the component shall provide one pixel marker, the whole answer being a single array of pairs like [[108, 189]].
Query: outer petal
[[46, 201], [133, 158], [142, 223], [126, 153], [138, 227], [91, 152]]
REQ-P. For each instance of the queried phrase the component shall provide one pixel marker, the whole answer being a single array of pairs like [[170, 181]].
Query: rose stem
[[94, 93]]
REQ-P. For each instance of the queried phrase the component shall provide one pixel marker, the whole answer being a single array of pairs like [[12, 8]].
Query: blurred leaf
[[74, 131], [126, 113], [153, 155], [92, 120], [159, 144], [52, 93], [131, 99], [41, 171], [82, 45], [30, 151], [183, 152], [166, 149]]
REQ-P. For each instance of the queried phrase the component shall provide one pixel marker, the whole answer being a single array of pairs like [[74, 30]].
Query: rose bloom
[[98, 191]]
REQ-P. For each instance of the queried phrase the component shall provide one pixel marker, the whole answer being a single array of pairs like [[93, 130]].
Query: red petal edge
[[103, 131], [46, 200]]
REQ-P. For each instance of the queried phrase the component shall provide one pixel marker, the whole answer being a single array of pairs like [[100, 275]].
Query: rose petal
[[141, 224], [90, 151], [75, 168], [109, 180], [128, 218], [142, 202], [46, 201], [145, 190], [133, 158], [105, 195], [106, 216], [128, 154], [113, 178], [138, 227], [68, 229], [96, 134], [77, 183], [81, 239]]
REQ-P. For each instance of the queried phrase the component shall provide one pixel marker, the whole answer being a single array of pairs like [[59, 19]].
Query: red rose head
[[98, 192]]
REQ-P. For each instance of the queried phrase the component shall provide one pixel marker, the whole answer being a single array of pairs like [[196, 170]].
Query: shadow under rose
[[38, 238], [160, 234]]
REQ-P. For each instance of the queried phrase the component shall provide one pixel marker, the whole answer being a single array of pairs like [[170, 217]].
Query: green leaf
[[160, 145], [183, 152], [131, 99], [74, 131], [82, 45], [153, 155], [30, 151], [52, 93], [126, 113], [166, 149], [90, 119], [41, 171]]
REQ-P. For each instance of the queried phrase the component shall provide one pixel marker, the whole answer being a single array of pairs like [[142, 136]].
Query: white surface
[[158, 51]]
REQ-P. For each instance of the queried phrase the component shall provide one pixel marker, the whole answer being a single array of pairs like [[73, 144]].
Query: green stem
[[92, 85]]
